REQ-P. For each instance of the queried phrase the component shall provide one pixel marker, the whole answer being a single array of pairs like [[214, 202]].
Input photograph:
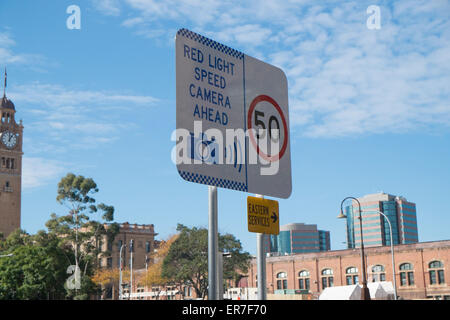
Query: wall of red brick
[[418, 254]]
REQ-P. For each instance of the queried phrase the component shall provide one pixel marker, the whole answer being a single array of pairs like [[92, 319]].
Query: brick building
[[422, 270], [143, 236]]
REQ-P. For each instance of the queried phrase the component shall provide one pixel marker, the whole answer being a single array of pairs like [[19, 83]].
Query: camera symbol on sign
[[200, 148]]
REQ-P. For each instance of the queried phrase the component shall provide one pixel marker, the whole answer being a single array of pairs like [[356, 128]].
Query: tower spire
[[4, 88]]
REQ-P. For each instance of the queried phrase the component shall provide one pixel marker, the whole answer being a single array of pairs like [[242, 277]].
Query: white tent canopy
[[383, 290], [352, 292], [378, 290]]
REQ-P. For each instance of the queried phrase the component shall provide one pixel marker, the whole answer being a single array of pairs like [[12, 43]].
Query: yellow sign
[[263, 215]]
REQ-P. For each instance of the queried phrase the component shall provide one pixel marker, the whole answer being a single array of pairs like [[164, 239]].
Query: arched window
[[436, 272], [406, 274], [378, 273], [303, 280], [351, 275], [281, 280], [327, 278]]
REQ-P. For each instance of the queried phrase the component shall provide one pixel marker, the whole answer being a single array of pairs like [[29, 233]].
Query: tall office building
[[401, 214], [298, 238]]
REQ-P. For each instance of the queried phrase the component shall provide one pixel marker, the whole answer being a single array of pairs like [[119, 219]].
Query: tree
[[153, 277], [36, 269], [78, 231], [187, 260]]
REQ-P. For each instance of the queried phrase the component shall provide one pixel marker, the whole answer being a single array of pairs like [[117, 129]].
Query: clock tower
[[10, 167]]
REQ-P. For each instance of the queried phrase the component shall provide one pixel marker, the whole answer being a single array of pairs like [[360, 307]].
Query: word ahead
[[263, 215]]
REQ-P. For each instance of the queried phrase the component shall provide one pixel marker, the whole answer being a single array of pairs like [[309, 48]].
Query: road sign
[[263, 215], [224, 98]]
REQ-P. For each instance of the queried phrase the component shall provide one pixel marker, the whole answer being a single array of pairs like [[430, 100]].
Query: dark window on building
[[303, 280], [281, 280], [351, 275], [436, 272], [378, 273], [327, 278], [406, 274]]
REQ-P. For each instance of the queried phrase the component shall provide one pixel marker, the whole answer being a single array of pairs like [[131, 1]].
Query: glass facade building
[[376, 232], [299, 238]]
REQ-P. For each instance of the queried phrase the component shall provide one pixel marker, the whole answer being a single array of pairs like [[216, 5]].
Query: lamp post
[[365, 295], [131, 268], [392, 253], [120, 273]]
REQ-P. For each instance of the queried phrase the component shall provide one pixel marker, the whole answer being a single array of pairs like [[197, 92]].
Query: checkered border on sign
[[211, 43], [211, 181]]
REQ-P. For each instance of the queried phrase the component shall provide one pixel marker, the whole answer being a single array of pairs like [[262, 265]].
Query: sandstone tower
[[10, 167]]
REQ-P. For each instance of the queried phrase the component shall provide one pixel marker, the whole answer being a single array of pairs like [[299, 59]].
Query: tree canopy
[[38, 266], [187, 259]]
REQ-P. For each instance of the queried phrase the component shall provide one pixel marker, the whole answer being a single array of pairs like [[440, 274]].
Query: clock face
[[9, 139]]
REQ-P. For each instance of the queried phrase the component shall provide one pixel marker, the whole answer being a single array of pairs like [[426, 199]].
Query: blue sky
[[369, 109]]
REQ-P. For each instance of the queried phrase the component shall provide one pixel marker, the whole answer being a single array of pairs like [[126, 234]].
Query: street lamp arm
[[353, 198], [392, 251], [365, 289]]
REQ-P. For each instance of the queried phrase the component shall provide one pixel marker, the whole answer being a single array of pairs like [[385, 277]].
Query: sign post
[[263, 219], [232, 118], [213, 242], [263, 215], [232, 121]]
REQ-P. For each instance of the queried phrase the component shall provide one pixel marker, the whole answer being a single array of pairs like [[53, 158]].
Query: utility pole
[[131, 267]]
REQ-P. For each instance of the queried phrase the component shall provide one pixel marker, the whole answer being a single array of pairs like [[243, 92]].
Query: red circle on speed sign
[[255, 101]]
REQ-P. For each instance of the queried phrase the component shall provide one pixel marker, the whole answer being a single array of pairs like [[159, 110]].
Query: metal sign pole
[[213, 244], [261, 263]]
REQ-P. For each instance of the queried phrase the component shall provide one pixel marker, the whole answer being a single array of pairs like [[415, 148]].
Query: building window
[[303, 280], [378, 273], [187, 291], [147, 246], [406, 274], [281, 280], [436, 272], [351, 276], [327, 278]]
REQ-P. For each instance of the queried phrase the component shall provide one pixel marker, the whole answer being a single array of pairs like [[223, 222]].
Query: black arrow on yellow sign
[[274, 217]]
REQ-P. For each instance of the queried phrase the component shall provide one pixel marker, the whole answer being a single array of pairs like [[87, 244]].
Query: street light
[[120, 273], [365, 295], [131, 267], [392, 253]]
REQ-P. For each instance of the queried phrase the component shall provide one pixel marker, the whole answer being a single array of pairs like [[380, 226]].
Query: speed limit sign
[[232, 118], [267, 109]]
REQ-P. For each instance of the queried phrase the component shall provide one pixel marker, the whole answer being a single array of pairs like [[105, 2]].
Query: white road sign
[[232, 118]]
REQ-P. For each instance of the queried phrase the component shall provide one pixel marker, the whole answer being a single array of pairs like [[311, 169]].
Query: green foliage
[[78, 230], [36, 269], [187, 259]]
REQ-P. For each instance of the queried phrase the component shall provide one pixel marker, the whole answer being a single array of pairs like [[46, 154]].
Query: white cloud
[[8, 56], [343, 78], [61, 119], [59, 96], [108, 7], [39, 171]]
